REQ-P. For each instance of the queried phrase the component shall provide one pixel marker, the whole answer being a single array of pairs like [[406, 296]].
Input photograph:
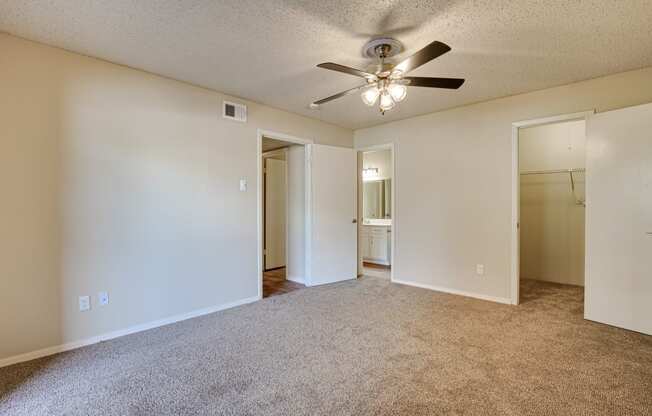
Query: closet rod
[[543, 172]]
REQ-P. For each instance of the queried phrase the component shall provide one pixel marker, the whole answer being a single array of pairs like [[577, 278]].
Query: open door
[[619, 218], [331, 229]]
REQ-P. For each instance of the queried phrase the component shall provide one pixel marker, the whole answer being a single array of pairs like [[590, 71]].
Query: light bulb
[[370, 95], [397, 91], [386, 101]]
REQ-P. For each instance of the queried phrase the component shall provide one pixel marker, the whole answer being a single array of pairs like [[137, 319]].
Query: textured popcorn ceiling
[[266, 50]]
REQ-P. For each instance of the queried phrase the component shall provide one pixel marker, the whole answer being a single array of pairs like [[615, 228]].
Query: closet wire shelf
[[570, 172]]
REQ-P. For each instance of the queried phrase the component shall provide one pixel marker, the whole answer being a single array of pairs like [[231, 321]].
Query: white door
[[331, 253], [275, 198], [619, 218]]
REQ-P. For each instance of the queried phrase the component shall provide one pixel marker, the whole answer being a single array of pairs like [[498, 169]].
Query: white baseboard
[[455, 292], [121, 332], [296, 279]]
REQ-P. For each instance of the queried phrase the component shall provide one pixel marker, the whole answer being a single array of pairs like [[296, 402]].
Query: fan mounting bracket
[[382, 46]]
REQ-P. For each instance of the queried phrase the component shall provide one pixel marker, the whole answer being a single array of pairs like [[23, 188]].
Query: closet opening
[[549, 253], [376, 211], [282, 205]]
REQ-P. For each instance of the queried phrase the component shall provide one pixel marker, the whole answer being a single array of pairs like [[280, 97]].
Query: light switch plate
[[103, 298], [84, 303], [479, 269], [243, 185]]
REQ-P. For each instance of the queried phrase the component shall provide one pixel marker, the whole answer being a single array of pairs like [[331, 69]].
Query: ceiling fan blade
[[347, 70], [449, 83], [338, 95], [427, 54]]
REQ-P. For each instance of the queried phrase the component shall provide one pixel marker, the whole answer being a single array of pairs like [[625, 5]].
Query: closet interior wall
[[551, 211]]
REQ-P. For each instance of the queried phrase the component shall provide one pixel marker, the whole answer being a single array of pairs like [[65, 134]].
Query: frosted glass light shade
[[370, 95], [397, 91], [386, 101]]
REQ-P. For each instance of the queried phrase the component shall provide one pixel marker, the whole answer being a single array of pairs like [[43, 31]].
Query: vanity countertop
[[380, 222]]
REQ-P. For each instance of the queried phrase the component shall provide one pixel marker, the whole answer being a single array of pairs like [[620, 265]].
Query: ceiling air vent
[[233, 111]]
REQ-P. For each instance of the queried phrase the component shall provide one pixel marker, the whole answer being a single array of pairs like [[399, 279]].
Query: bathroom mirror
[[376, 199]]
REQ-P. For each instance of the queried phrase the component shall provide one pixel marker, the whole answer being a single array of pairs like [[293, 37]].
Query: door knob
[[354, 221]]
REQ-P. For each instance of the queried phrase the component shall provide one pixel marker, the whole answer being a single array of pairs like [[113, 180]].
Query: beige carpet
[[366, 347]]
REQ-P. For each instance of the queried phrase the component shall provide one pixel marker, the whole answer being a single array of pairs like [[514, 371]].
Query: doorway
[[282, 201], [376, 212], [321, 249], [548, 249]]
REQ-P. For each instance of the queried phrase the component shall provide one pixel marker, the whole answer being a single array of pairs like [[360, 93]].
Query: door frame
[[359, 152], [516, 192], [260, 133]]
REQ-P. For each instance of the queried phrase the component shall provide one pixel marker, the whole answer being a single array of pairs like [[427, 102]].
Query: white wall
[[118, 180], [453, 180], [552, 223], [296, 267], [379, 159]]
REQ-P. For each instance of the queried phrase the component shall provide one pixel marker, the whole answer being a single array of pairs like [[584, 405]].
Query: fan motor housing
[[380, 70], [389, 46]]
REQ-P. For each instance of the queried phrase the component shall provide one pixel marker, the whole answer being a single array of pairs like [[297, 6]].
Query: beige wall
[[296, 268], [117, 180], [380, 159], [453, 180], [552, 223]]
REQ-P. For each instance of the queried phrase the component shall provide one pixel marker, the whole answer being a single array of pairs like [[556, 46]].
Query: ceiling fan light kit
[[397, 91], [387, 84], [370, 95], [390, 91]]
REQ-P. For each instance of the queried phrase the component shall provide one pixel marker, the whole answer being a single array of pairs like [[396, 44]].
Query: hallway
[[275, 283]]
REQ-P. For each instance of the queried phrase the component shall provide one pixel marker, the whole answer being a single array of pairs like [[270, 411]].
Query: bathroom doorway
[[376, 216]]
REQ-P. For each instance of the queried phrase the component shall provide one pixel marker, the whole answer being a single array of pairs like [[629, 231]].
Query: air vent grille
[[234, 111]]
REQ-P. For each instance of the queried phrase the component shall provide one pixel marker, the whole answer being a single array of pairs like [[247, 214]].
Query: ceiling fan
[[386, 82]]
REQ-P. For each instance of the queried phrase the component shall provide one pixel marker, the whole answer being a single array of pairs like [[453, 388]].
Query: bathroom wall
[[381, 160]]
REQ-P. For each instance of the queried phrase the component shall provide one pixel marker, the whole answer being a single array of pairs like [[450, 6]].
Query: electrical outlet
[[479, 269], [84, 303], [103, 298]]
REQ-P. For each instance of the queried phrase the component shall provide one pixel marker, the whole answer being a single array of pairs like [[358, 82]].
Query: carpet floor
[[365, 347]]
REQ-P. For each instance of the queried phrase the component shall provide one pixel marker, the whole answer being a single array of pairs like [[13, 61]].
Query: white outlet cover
[[103, 298], [243, 185], [84, 303]]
